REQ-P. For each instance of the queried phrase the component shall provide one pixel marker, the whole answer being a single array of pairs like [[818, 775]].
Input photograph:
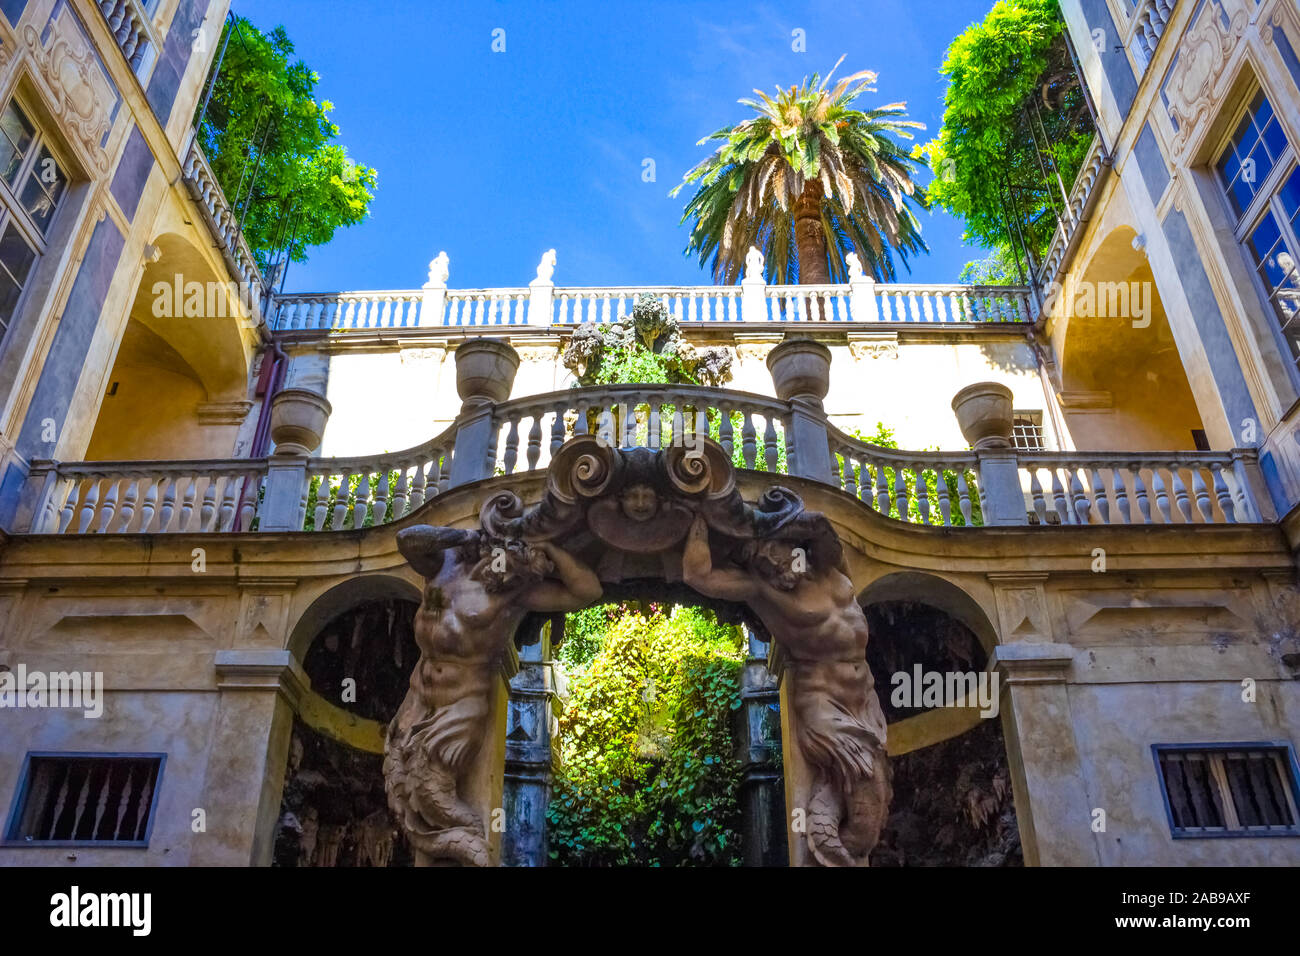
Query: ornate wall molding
[[83, 95], [1193, 87]]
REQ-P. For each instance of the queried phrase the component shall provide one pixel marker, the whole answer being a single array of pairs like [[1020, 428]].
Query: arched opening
[[1124, 387], [928, 653], [179, 384], [357, 647]]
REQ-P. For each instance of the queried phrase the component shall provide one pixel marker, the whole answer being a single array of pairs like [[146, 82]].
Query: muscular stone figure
[[476, 591], [813, 613]]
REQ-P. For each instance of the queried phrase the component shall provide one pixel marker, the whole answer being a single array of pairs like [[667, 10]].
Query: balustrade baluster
[[922, 494], [945, 504], [69, 506], [748, 441], [850, 482], [1082, 507], [963, 498], [1140, 493], [535, 439], [557, 429], [1120, 490], [1058, 496], [1180, 492], [882, 490], [900, 493], [725, 437], [1099, 495], [361, 500], [1202, 495], [128, 504], [109, 507], [229, 498], [770, 444], [512, 445], [1223, 495], [341, 496], [382, 488], [1162, 496], [1036, 495], [208, 510]]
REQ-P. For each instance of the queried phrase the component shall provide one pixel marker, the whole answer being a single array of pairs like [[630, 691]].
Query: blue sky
[[496, 157]]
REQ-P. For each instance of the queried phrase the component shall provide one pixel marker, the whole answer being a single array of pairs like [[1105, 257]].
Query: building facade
[[201, 481]]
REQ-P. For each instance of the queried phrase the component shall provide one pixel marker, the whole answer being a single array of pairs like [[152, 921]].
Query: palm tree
[[810, 166]]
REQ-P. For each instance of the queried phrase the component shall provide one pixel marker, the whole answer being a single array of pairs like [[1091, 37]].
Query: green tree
[[808, 180], [270, 143], [1013, 111], [648, 774]]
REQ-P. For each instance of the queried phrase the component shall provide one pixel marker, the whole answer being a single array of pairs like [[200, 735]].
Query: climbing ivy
[[647, 773]]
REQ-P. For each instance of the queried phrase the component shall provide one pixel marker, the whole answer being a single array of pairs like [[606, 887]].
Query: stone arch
[[333, 810], [1123, 383], [178, 387], [938, 592], [341, 598]]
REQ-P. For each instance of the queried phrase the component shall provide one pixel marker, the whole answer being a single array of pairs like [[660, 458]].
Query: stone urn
[[485, 370], [298, 417], [801, 368], [983, 411]]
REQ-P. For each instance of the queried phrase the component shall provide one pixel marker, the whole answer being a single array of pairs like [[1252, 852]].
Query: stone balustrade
[[224, 225], [993, 484], [147, 497], [863, 301], [1146, 27], [1114, 488], [1086, 187], [133, 31]]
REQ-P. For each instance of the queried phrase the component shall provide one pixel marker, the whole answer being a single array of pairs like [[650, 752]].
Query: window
[[1229, 789], [1027, 431], [33, 182], [84, 798], [1261, 181]]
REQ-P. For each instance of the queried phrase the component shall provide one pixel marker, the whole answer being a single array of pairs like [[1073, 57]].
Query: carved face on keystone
[[640, 502]]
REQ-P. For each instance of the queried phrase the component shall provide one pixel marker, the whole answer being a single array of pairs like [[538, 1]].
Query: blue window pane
[[1264, 239], [1274, 139], [1262, 109], [1240, 193], [1289, 194], [1229, 165]]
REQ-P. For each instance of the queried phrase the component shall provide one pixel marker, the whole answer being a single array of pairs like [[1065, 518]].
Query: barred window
[[33, 181], [84, 798], [1229, 790], [1027, 431]]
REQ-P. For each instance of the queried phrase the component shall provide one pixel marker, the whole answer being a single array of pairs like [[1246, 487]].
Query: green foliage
[[265, 128], [1013, 60], [884, 438], [647, 771], [808, 144], [646, 347], [998, 268]]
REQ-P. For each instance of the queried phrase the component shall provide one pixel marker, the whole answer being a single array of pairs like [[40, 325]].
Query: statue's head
[[510, 563], [639, 502], [780, 563]]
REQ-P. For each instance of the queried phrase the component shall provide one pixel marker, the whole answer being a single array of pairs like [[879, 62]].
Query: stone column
[[1052, 807], [528, 756], [758, 742], [801, 374], [249, 748], [983, 411], [485, 373], [298, 418]]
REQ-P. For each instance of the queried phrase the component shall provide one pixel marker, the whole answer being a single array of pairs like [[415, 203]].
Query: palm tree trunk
[[811, 243]]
